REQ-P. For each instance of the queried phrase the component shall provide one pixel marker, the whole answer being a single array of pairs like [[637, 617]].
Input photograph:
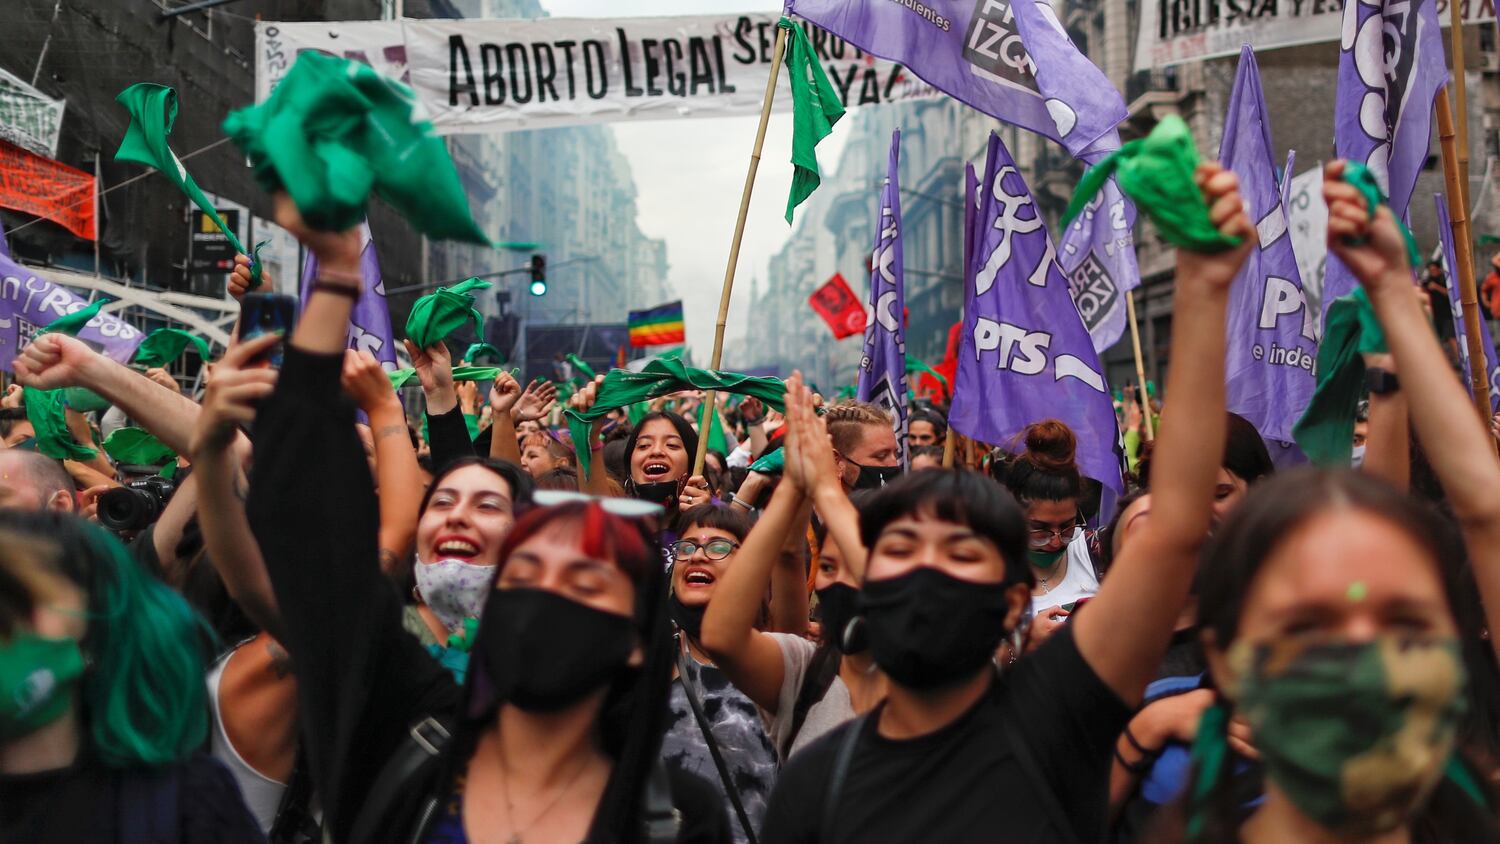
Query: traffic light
[[539, 275]]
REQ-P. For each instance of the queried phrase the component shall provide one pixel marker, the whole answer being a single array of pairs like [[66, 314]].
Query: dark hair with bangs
[[716, 516], [520, 482], [962, 498], [683, 428]]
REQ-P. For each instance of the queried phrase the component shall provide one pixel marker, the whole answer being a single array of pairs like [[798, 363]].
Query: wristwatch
[[1380, 382]]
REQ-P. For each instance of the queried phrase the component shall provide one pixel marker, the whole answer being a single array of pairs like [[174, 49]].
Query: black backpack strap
[[821, 670], [1046, 800], [660, 819], [148, 806], [838, 775], [408, 768], [691, 692]]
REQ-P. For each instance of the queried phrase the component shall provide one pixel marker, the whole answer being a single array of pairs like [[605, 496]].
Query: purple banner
[[882, 366], [29, 302], [1272, 334], [1391, 66], [1460, 325], [972, 51], [370, 321], [1025, 354]]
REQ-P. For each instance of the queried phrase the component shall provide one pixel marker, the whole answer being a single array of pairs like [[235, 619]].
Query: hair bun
[[1050, 445]]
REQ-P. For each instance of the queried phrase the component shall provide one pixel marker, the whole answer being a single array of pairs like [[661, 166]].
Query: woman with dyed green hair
[[103, 706]]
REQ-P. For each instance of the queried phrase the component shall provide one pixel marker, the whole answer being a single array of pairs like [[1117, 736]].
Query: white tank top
[[262, 794], [1078, 581]]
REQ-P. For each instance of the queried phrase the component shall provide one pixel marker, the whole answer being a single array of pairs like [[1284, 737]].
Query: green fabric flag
[[636, 412], [914, 365], [1359, 175], [1325, 433], [84, 400], [622, 388], [153, 110], [74, 322], [334, 130], [1157, 172], [846, 392], [771, 463], [582, 367], [48, 417], [137, 447], [438, 314], [471, 355], [716, 439], [815, 108], [165, 345], [402, 377]]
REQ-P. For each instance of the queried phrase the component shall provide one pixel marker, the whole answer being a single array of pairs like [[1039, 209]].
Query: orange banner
[[37, 185]]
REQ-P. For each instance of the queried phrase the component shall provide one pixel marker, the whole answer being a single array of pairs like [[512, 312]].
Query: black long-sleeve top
[[448, 437], [362, 680]]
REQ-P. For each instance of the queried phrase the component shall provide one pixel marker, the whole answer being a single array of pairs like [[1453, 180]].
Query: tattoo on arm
[[390, 431]]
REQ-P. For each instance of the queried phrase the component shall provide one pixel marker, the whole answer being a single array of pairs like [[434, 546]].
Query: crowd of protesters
[[340, 623]]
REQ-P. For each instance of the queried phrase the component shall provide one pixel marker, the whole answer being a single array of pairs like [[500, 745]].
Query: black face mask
[[928, 629], [875, 477], [545, 652], [658, 492], [838, 605], [688, 619]]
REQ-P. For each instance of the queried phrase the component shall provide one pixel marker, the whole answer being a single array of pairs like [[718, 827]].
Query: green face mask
[[36, 676], [1355, 734], [1045, 559]]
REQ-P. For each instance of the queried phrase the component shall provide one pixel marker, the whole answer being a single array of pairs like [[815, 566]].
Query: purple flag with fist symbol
[[370, 321], [1272, 334], [1391, 66], [1025, 355], [882, 365]]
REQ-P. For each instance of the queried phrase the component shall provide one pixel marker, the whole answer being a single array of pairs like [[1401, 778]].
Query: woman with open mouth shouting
[[660, 450], [715, 731]]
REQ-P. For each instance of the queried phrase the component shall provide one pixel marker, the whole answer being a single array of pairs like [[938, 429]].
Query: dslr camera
[[135, 505]]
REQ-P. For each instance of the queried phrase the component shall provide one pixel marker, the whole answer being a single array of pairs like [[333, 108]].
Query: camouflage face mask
[[1355, 734]]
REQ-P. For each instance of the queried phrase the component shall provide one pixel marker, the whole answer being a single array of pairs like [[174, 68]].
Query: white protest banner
[[1177, 31], [29, 118], [476, 76], [1307, 223]]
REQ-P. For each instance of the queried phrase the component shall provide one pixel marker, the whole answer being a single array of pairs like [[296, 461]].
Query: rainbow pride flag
[[657, 326]]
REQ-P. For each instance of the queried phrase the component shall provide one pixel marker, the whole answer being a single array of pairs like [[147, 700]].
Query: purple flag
[[882, 366], [1025, 354], [1272, 333], [1450, 262], [972, 51], [1391, 66], [370, 321], [28, 303]]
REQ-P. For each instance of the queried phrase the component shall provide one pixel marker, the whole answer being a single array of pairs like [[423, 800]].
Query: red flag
[[932, 388], [839, 307], [38, 185]]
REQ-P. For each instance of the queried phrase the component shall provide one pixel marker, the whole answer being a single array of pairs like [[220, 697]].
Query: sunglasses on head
[[627, 508]]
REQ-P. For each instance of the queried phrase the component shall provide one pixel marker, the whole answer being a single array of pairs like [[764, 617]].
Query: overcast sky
[[689, 174]]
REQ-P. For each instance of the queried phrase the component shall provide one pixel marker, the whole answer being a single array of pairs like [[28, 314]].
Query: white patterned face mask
[[453, 589]]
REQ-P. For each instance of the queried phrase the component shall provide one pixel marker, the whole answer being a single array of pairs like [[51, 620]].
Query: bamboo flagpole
[[949, 446], [1140, 365], [1460, 98], [1458, 213], [711, 399]]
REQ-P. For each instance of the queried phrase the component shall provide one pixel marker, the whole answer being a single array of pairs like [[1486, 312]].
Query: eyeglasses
[[628, 508], [1040, 537], [714, 549]]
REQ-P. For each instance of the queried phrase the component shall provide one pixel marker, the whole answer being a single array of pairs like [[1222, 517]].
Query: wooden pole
[[710, 400], [950, 444], [1140, 364], [1458, 213], [1460, 99]]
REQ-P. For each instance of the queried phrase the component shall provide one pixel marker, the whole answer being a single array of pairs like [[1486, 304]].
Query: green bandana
[[815, 108], [48, 417], [153, 110], [1325, 433], [1361, 178], [402, 377], [1157, 172], [622, 387], [137, 447], [582, 366], [772, 463], [1044, 559], [165, 345], [37, 676], [74, 322], [471, 355], [84, 400], [438, 314], [914, 365], [1356, 734], [333, 131]]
